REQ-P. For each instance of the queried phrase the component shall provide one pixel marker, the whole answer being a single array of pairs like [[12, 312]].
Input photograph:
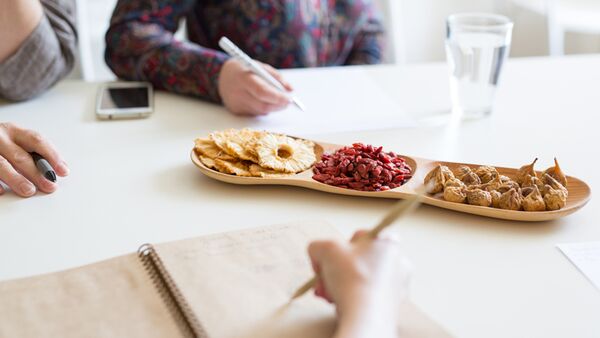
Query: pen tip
[[50, 176]]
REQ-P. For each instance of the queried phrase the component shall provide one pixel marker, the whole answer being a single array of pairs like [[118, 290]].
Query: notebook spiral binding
[[171, 295]]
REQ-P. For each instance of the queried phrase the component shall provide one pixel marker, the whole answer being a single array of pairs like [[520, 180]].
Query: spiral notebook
[[235, 284]]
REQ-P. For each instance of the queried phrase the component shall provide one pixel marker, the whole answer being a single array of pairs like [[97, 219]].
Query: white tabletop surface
[[132, 182]]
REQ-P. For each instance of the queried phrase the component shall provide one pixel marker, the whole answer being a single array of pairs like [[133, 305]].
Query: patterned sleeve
[[140, 46], [369, 41]]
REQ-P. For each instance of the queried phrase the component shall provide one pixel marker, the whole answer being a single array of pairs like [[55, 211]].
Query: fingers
[[1, 189], [245, 93], [264, 92], [320, 291], [359, 235], [320, 252], [32, 141], [23, 163], [15, 181], [18, 169], [277, 75], [248, 105]]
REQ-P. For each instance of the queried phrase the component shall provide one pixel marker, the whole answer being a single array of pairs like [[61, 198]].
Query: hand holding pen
[[250, 87], [28, 162]]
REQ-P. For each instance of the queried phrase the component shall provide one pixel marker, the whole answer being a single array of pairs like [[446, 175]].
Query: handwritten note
[[586, 257], [238, 284]]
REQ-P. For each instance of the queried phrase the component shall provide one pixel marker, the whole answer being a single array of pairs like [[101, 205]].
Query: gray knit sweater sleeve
[[45, 57]]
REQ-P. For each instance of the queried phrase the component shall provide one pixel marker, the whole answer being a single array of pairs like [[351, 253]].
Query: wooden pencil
[[399, 210]]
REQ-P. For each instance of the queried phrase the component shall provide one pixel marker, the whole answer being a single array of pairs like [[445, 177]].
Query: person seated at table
[[37, 45], [285, 34], [366, 280], [17, 169]]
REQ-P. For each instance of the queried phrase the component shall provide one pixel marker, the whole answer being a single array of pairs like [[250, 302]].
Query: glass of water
[[477, 46]]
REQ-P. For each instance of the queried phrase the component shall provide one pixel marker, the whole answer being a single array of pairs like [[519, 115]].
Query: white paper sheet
[[336, 99], [586, 257]]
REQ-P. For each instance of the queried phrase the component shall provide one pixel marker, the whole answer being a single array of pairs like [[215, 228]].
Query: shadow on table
[[497, 226], [185, 182]]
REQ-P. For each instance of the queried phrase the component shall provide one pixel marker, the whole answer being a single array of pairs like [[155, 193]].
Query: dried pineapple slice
[[283, 153], [258, 171], [220, 139], [238, 143], [208, 148], [243, 144], [238, 168], [207, 161]]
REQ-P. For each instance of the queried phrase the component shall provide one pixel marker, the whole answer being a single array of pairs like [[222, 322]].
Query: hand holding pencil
[[400, 209], [367, 280]]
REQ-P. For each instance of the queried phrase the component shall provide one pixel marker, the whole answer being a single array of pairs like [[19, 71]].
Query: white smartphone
[[124, 100]]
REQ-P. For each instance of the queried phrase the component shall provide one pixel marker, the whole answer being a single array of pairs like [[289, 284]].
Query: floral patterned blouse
[[285, 34]]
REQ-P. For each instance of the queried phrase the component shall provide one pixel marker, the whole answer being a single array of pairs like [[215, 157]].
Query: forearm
[[18, 18], [140, 45], [176, 66]]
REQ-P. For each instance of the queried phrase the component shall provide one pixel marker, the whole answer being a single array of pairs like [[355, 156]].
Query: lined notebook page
[[239, 284], [113, 298]]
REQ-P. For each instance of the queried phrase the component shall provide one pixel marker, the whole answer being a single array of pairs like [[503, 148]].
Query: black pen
[[44, 167]]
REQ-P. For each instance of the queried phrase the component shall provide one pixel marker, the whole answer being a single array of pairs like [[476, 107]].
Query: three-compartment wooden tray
[[579, 191]]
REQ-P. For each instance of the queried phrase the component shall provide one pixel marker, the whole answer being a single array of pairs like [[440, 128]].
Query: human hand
[[17, 168], [367, 280], [245, 93]]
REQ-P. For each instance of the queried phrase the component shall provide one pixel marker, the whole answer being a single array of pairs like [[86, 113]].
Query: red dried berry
[[362, 167]]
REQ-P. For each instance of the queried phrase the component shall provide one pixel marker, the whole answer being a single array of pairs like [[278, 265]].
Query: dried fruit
[[471, 178], [209, 162], [437, 177], [486, 173], [462, 171], [494, 184], [258, 171], [534, 201], [479, 197], [554, 184], [510, 200], [236, 152], [208, 148], [455, 194], [495, 198], [454, 182], [524, 171], [362, 167], [556, 173], [283, 153], [486, 187], [238, 168], [504, 187], [555, 198]]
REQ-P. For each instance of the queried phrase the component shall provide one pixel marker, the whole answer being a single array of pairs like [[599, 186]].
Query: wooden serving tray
[[579, 191]]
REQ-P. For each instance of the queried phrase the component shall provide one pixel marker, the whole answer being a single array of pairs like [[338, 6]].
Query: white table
[[132, 182]]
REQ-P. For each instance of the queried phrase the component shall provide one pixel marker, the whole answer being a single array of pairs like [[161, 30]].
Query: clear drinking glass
[[477, 45]]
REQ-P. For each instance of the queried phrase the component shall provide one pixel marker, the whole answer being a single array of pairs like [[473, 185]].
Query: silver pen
[[233, 51]]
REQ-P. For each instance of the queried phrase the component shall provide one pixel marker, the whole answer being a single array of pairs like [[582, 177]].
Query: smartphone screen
[[119, 98]]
